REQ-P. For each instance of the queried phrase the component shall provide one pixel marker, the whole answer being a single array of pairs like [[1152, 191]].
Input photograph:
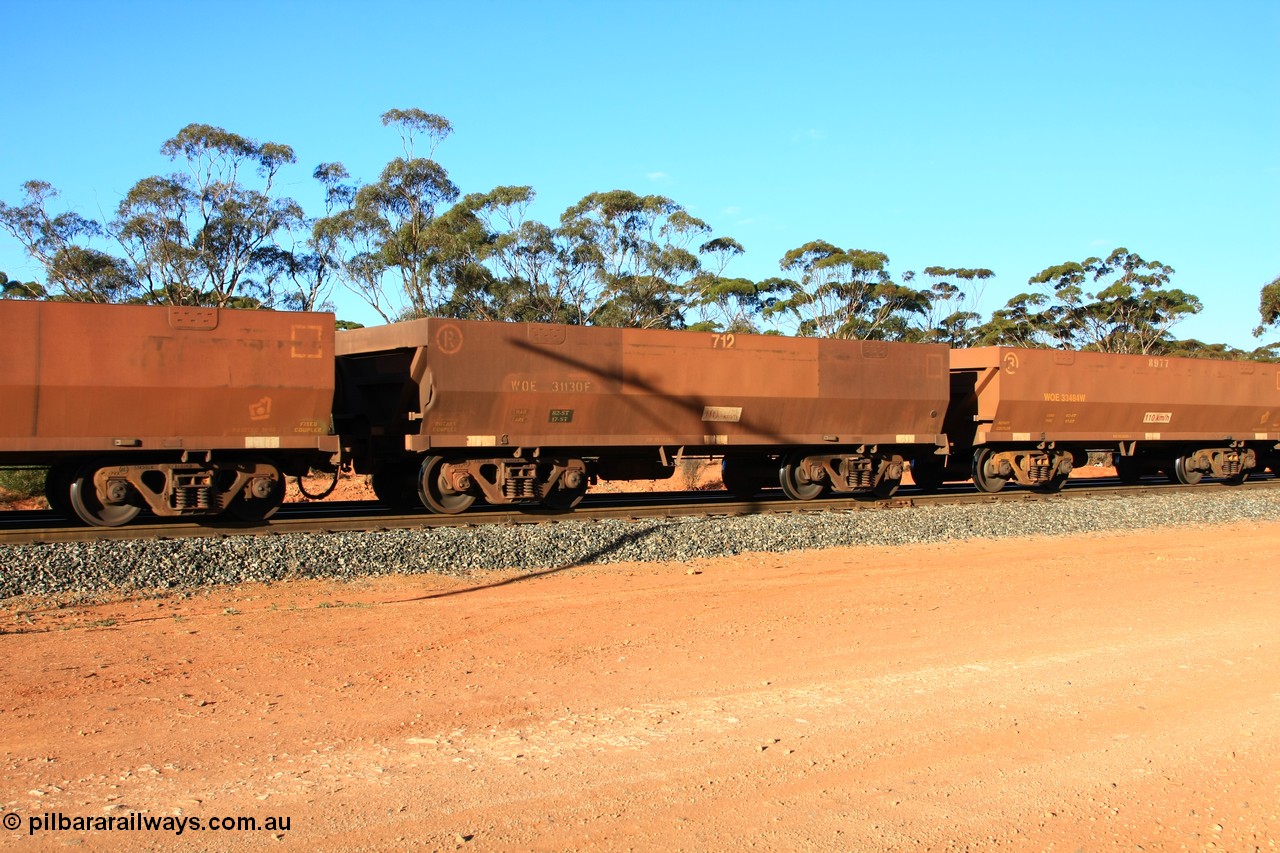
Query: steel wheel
[[1183, 475], [562, 498], [436, 493], [89, 509], [57, 488], [248, 508], [794, 485], [984, 481], [887, 487]]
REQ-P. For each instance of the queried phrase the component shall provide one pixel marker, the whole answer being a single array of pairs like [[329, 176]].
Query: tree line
[[217, 231]]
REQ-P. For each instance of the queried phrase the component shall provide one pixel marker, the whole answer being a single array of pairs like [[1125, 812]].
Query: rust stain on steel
[[1086, 395], [84, 377], [534, 385]]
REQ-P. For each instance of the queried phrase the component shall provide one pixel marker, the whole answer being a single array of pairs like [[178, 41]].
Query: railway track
[[43, 526]]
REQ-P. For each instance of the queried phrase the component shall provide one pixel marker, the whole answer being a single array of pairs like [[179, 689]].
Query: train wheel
[[57, 488], [437, 495], [984, 481], [794, 484], [1184, 476], [262, 506], [886, 488], [85, 504], [562, 498]]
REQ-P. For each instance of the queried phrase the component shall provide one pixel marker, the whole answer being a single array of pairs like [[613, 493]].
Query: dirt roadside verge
[[1043, 693]]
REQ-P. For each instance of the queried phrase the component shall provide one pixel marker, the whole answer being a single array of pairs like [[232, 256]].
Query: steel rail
[[42, 526]]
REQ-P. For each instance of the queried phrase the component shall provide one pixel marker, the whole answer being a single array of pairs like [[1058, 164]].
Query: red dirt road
[[1111, 692]]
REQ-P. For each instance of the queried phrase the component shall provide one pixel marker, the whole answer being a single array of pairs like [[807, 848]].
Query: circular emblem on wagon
[[449, 339], [1011, 362]]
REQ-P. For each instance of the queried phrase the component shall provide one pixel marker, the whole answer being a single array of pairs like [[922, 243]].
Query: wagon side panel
[[95, 377], [529, 385], [1080, 396]]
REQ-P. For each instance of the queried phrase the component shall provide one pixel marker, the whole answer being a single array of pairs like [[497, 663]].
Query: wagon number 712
[[723, 341]]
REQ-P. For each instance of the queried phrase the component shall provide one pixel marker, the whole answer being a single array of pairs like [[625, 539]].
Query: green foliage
[[22, 482], [389, 229], [1269, 306], [953, 297], [61, 243], [846, 293], [203, 235], [217, 231], [20, 289], [630, 258], [1129, 308]]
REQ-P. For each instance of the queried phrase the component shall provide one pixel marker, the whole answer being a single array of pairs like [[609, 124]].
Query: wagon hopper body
[[447, 411], [188, 411], [1030, 415]]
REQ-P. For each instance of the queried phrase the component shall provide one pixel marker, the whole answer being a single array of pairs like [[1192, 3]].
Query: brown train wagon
[[188, 411], [445, 411], [1029, 415]]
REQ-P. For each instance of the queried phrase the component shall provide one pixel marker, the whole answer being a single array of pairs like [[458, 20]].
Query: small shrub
[[22, 482]]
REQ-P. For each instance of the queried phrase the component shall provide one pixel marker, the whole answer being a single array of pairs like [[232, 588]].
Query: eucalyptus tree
[[390, 250], [1269, 306], [630, 259], [62, 244], [10, 289], [1128, 309], [723, 303], [527, 277], [1024, 321], [846, 293], [953, 296], [205, 235], [306, 269], [733, 304]]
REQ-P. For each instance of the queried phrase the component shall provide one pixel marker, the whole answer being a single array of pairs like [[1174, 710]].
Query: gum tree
[[206, 234], [845, 293], [62, 243]]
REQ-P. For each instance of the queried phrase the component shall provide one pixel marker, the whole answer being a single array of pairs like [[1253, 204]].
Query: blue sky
[[1012, 136]]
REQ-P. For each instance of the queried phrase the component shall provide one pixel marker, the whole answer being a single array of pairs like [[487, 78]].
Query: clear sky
[[1011, 135]]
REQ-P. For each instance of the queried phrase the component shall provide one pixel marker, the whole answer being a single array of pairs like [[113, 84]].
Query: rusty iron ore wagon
[[195, 411], [1028, 416], [447, 412], [187, 411]]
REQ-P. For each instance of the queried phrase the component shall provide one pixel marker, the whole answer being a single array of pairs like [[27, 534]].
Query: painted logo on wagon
[[449, 339]]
